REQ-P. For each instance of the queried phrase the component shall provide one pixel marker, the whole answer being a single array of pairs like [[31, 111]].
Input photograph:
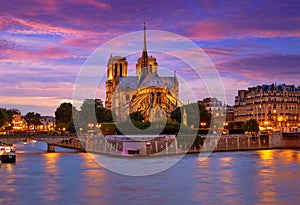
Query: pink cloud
[[17, 25], [29, 100], [39, 86], [96, 3], [54, 52], [50, 52], [212, 29], [90, 41]]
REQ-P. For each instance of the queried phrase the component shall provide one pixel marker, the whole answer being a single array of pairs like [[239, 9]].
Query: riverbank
[[169, 146]]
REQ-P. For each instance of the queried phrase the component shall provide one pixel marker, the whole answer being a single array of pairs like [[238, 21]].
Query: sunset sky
[[44, 43]]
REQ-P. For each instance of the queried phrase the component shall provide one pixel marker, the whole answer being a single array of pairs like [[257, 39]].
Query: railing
[[38, 135]]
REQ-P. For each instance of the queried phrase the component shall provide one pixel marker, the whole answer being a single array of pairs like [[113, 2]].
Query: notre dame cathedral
[[147, 92]]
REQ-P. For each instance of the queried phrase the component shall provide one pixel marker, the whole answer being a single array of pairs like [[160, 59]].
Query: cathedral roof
[[169, 81], [129, 82], [151, 79]]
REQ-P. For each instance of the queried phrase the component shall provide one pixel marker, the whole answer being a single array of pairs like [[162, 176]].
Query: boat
[[7, 154]]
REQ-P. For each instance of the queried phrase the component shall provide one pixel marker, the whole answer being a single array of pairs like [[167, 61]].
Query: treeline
[[90, 114], [5, 118], [187, 119]]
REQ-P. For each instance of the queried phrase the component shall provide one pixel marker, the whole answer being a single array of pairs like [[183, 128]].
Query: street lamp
[[203, 124]]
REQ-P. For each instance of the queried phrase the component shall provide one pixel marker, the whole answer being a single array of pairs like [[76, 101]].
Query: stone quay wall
[[99, 144], [74, 144]]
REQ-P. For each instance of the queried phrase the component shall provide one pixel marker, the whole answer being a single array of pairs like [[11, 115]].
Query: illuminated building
[[215, 107], [146, 92], [17, 122], [275, 107]]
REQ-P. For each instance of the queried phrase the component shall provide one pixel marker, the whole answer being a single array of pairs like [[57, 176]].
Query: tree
[[195, 112], [137, 116], [64, 116], [176, 115], [32, 118], [251, 126], [92, 111], [87, 112], [5, 116]]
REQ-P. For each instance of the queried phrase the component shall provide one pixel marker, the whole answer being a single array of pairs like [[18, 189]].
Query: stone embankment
[[167, 145]]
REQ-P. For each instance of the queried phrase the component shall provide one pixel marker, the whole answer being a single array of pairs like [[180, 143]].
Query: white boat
[[7, 154]]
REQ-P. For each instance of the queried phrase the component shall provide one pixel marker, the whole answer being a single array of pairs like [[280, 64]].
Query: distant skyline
[[44, 43]]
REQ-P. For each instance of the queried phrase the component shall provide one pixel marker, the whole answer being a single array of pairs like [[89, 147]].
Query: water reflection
[[51, 181], [254, 177], [223, 184], [7, 184], [275, 168], [94, 176]]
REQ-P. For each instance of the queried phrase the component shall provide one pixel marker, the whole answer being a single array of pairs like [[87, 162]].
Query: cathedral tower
[[117, 67]]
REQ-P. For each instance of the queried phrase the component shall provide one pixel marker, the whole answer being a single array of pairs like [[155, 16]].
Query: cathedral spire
[[144, 54], [145, 47]]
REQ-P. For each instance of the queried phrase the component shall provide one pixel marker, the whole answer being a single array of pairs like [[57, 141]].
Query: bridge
[[50, 139]]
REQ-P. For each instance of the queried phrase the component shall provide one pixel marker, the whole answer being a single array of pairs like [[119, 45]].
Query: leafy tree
[[195, 112], [5, 116], [236, 125], [92, 111], [64, 113], [137, 116], [64, 116], [176, 115], [251, 126], [87, 112], [32, 119], [103, 115]]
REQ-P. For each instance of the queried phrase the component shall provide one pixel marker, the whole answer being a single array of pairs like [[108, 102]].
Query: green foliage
[[5, 116], [64, 117], [195, 112], [251, 126], [64, 113], [108, 128], [171, 128], [176, 115], [137, 116], [199, 141], [92, 111], [87, 112], [156, 127], [103, 115], [235, 125], [32, 118]]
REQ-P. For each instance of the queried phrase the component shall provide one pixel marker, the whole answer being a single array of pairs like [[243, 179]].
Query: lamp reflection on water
[[266, 176], [51, 169], [94, 176]]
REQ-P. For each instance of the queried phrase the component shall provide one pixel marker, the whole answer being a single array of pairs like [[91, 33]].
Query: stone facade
[[275, 107], [154, 96]]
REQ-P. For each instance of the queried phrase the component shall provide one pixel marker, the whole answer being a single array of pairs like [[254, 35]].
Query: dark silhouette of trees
[[64, 117], [195, 113], [5, 116], [137, 116], [251, 126], [32, 118]]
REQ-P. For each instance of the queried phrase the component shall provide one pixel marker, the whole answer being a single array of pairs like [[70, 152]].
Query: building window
[[158, 98], [121, 70]]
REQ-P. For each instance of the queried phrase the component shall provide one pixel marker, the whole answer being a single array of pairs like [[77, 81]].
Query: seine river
[[68, 177]]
